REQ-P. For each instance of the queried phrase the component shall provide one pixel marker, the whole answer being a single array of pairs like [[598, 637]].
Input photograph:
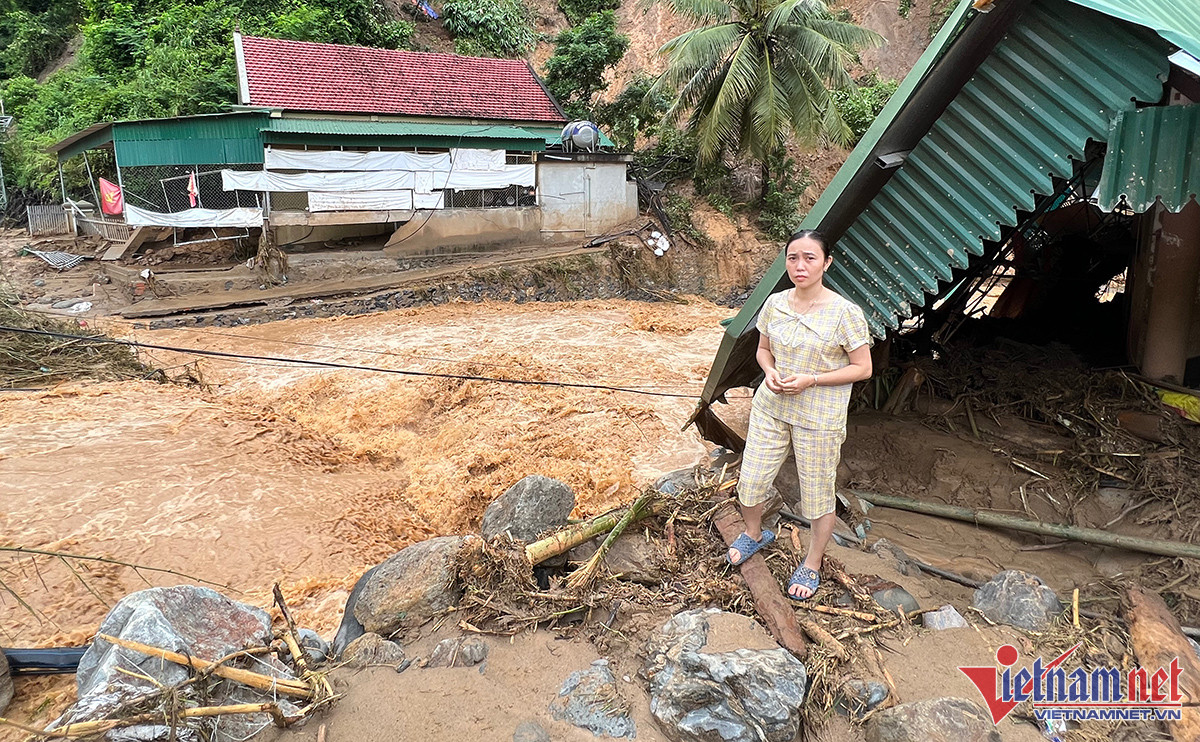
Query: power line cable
[[333, 364]]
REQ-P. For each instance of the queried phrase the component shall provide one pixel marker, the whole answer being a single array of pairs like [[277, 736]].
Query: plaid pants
[[817, 455]]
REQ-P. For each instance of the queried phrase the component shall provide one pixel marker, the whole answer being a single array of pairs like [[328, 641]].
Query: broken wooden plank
[[1158, 641], [776, 612], [1012, 522]]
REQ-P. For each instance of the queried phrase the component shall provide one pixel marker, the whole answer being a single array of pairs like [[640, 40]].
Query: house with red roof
[[329, 141]]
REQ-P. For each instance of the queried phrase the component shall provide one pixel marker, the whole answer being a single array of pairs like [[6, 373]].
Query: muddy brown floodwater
[[307, 476]]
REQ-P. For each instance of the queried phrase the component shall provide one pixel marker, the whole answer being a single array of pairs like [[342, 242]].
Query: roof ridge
[[405, 52]]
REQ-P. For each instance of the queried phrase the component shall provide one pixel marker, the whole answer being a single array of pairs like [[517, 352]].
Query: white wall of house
[[584, 197]]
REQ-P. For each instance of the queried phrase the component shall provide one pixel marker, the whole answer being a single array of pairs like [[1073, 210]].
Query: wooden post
[[1173, 293], [1157, 641], [769, 602]]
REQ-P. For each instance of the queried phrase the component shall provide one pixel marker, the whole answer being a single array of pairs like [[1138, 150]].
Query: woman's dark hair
[[813, 235]]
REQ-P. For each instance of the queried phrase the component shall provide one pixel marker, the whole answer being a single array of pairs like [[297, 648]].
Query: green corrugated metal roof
[[1177, 21], [403, 132], [1152, 153], [229, 139], [1055, 80]]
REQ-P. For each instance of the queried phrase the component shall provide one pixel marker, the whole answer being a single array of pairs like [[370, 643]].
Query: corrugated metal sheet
[[231, 139], [1055, 81], [1152, 153], [1177, 21]]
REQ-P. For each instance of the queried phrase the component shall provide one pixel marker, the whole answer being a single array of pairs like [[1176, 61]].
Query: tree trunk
[[1157, 640], [765, 186]]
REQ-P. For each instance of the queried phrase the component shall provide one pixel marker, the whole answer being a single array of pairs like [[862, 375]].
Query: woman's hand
[[773, 381], [797, 383]]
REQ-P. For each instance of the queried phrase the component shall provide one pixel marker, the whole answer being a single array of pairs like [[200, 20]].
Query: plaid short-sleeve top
[[812, 343]]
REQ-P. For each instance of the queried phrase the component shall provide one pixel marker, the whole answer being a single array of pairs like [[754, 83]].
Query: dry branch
[[88, 728], [287, 687], [824, 638]]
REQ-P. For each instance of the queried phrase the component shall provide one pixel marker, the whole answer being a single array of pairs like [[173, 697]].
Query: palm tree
[[757, 70]]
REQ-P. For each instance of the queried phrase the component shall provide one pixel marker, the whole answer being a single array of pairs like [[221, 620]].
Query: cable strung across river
[[334, 364]]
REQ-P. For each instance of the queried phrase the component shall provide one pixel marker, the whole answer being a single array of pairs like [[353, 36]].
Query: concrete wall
[[584, 198], [463, 230]]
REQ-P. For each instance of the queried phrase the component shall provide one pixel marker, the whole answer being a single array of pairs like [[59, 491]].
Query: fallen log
[[287, 687], [1157, 641], [1015, 523], [572, 536], [769, 602]]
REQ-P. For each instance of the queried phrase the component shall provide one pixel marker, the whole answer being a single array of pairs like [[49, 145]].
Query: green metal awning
[[1153, 153], [206, 139], [1177, 21], [1039, 78], [333, 132]]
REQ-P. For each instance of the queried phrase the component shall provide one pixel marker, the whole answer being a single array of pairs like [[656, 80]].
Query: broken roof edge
[[1183, 33], [841, 191]]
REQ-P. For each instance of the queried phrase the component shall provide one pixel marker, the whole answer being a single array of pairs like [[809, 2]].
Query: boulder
[[6, 683], [896, 598], [741, 695], [460, 652], [411, 586], [315, 648], [861, 696], [1018, 599], [371, 650], [529, 508], [631, 556], [944, 618], [195, 621], [530, 731], [590, 700], [932, 720], [350, 629]]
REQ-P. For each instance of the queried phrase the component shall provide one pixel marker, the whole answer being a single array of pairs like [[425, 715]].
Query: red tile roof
[[303, 76]]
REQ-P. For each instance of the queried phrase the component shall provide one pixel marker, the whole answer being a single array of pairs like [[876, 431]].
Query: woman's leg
[[766, 449], [817, 455]]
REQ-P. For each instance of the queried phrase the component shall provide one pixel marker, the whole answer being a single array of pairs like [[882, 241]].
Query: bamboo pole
[[572, 536], [286, 686], [636, 511], [87, 728], [1058, 530]]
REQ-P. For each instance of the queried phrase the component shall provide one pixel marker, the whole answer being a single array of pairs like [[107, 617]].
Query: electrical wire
[[243, 357]]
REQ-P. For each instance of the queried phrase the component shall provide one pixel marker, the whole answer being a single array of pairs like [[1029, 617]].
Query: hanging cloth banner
[[293, 159], [260, 180], [373, 201], [193, 191], [244, 217], [112, 201], [478, 159]]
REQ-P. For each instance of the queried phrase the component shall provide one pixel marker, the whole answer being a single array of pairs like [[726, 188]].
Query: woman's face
[[806, 262]]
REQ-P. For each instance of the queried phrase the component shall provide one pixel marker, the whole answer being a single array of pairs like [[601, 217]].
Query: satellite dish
[[581, 135]]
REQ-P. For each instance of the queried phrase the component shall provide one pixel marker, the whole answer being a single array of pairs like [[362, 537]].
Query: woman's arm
[[766, 361], [858, 369]]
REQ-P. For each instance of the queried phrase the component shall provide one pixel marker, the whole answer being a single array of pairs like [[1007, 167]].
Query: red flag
[[193, 190], [112, 201]]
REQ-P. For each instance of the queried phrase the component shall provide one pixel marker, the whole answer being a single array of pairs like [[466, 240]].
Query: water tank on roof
[[581, 135]]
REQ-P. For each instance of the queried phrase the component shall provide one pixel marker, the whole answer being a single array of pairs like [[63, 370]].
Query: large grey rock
[[194, 621], [632, 557], [530, 731], [6, 683], [895, 599], [350, 628], [372, 650], [1018, 599], [411, 586], [529, 508], [460, 652], [743, 695], [590, 700], [932, 720], [315, 648], [944, 618]]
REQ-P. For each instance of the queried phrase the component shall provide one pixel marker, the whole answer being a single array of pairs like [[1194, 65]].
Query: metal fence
[[168, 188], [491, 198], [47, 219], [111, 231]]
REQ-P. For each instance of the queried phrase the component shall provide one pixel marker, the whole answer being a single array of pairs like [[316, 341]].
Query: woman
[[813, 345]]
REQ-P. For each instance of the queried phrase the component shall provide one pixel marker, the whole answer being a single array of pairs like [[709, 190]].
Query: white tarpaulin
[[291, 159], [477, 159], [245, 217], [373, 201], [261, 180]]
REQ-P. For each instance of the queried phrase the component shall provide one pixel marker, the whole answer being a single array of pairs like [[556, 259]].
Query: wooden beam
[[776, 612], [1158, 641]]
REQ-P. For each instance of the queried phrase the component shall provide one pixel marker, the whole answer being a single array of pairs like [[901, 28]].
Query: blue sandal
[[804, 577], [748, 547]]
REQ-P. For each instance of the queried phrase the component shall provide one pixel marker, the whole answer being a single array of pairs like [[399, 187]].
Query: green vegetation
[[577, 11], [754, 73], [859, 107], [147, 58], [636, 111], [905, 8], [575, 74], [492, 28], [778, 216]]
